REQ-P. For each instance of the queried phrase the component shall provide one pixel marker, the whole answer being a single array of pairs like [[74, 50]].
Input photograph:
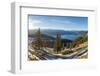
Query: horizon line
[[56, 29]]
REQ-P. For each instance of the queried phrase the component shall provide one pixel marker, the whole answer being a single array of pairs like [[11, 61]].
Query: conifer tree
[[58, 44], [38, 42]]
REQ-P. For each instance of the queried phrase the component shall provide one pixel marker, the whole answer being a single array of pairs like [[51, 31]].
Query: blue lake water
[[70, 37]]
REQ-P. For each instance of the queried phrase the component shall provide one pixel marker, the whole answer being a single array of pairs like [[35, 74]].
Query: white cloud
[[61, 21], [34, 24]]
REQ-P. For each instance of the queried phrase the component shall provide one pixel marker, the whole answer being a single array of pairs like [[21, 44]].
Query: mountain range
[[70, 35]]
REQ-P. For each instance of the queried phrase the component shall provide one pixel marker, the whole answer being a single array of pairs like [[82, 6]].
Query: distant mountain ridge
[[52, 33], [42, 35]]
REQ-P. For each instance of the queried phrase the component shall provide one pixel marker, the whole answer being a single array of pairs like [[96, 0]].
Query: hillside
[[80, 40]]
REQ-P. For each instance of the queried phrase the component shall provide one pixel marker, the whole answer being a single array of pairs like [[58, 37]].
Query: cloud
[[34, 24], [61, 21]]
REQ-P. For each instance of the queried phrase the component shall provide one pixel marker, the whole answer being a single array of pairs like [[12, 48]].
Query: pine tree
[[57, 45], [38, 42], [70, 45]]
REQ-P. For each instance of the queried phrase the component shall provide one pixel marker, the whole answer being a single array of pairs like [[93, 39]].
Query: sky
[[58, 22]]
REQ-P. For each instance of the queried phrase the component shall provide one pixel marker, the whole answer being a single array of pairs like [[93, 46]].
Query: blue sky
[[58, 22]]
